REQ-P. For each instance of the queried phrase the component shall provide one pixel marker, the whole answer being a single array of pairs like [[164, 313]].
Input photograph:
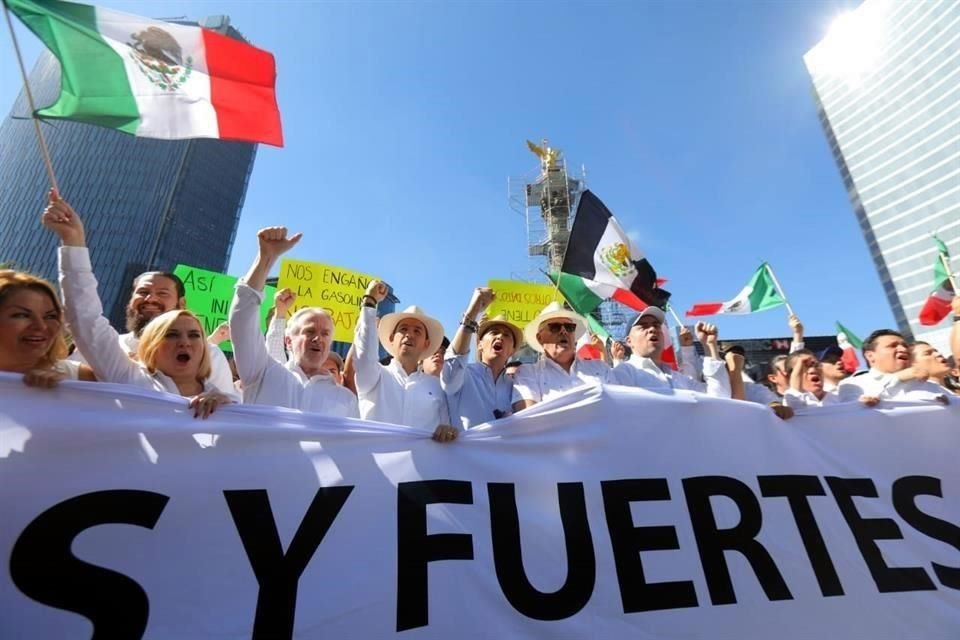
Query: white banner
[[607, 513]]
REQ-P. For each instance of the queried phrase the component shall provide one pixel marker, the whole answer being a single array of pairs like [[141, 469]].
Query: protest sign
[[603, 513], [333, 288], [521, 301], [209, 295]]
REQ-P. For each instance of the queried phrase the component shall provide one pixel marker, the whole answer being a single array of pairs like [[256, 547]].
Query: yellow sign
[[521, 301], [335, 289]]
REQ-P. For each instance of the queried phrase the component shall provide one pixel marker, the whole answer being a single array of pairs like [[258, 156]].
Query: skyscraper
[[886, 82], [146, 204]]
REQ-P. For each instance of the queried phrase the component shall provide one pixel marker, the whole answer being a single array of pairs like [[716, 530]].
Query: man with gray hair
[[303, 383]]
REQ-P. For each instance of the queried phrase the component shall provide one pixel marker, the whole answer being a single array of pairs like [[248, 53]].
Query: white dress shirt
[[274, 340], [546, 379], [103, 348], [388, 393], [888, 387], [472, 393], [266, 381], [643, 372], [797, 399]]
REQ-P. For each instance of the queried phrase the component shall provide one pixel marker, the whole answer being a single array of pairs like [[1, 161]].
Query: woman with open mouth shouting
[[31, 332], [172, 355]]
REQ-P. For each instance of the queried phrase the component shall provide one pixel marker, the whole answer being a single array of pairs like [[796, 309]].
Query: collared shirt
[[796, 399], [266, 381], [103, 348], [643, 372], [472, 393], [274, 340], [388, 393], [887, 386], [546, 379]]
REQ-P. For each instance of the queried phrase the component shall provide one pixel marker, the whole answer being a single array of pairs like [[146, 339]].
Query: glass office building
[[886, 82], [146, 204]]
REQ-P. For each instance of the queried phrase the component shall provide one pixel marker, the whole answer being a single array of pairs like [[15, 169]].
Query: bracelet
[[469, 325], [369, 301], [956, 318]]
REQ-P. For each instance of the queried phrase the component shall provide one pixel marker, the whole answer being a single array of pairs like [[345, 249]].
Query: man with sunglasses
[[645, 366], [554, 334]]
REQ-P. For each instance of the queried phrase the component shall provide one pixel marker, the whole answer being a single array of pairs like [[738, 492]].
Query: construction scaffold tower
[[547, 202]]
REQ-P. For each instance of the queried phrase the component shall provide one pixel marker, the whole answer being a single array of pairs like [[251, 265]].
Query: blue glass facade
[[146, 204]]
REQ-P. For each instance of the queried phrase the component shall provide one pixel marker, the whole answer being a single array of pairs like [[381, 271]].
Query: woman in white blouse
[[172, 355]]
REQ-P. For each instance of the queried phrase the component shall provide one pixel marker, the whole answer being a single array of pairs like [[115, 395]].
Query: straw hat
[[501, 320], [553, 311], [389, 322]]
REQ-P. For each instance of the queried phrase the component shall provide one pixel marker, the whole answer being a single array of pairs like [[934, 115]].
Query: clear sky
[[695, 121]]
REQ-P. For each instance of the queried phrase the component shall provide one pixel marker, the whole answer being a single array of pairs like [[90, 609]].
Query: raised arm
[[455, 366], [366, 362], [96, 340]]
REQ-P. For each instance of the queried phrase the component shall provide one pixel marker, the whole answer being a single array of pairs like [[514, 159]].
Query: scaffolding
[[547, 200]]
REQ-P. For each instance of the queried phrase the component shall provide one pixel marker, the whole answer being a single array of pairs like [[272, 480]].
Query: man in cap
[[645, 367], [480, 391], [554, 334], [303, 382], [399, 392], [832, 368]]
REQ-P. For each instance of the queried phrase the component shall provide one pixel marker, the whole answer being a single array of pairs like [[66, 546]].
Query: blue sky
[[403, 121]]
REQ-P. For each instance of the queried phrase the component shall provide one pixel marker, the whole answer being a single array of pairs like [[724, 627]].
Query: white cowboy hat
[[553, 311], [389, 322], [501, 320]]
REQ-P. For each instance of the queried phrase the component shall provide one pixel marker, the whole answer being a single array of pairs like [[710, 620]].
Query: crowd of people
[[428, 382]]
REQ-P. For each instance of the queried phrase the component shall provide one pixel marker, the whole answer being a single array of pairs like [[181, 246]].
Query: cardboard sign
[[521, 301], [333, 288], [209, 294]]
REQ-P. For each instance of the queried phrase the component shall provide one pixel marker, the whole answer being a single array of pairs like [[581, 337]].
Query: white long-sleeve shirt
[[103, 348], [388, 393], [276, 330], [546, 379], [644, 372], [472, 393], [266, 381], [797, 399], [887, 386]]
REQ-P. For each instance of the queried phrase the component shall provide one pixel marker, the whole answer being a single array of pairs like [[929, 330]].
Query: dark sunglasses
[[554, 327]]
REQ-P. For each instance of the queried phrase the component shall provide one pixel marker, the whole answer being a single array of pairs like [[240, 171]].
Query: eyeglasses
[[554, 327]]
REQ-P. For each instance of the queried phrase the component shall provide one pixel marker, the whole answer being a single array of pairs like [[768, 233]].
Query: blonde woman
[[172, 355], [31, 332]]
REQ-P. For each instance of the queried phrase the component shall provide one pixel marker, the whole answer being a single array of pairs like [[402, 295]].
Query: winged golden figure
[[548, 157]]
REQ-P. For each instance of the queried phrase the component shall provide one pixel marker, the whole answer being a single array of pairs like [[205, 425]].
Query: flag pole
[[776, 283], [946, 265], [44, 151], [675, 316]]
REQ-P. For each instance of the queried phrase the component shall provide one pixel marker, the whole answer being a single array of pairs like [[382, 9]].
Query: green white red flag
[[759, 294], [937, 306], [850, 344], [152, 78]]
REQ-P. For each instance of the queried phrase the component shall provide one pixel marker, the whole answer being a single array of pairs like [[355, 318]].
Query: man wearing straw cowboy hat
[[480, 391], [645, 368], [399, 392], [554, 333]]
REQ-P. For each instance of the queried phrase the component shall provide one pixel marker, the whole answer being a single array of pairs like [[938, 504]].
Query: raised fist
[[617, 351], [274, 241], [282, 301], [482, 298], [220, 334], [795, 325], [706, 333], [60, 218], [377, 290], [686, 338]]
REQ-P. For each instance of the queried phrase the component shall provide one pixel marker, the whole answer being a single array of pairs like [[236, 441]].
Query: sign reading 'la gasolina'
[[695, 517]]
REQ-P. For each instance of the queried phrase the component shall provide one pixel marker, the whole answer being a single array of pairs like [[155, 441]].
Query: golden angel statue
[[548, 157]]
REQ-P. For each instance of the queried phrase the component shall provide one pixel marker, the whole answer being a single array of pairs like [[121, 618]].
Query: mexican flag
[[850, 344], [600, 251], [152, 78], [760, 294], [937, 307], [588, 294]]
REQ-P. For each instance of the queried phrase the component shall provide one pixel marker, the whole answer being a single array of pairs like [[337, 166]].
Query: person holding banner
[[479, 392], [645, 367], [399, 392], [31, 332], [554, 334], [172, 352], [303, 382]]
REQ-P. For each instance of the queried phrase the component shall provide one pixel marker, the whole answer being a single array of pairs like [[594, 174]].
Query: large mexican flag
[[152, 78]]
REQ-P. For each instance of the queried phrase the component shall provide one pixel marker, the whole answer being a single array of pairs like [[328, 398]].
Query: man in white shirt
[[892, 374], [480, 391], [303, 383], [554, 334], [399, 392], [645, 366], [832, 369], [807, 384]]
